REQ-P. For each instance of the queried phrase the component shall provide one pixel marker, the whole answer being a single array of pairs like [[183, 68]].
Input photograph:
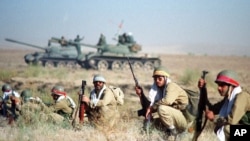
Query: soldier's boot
[[172, 134]]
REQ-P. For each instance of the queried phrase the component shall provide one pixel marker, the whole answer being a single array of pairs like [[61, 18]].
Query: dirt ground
[[176, 64]]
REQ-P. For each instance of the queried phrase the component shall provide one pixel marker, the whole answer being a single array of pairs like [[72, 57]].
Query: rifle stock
[[80, 106], [143, 99], [201, 108]]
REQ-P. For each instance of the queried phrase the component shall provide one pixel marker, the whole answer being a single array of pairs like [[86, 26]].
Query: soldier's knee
[[162, 110]]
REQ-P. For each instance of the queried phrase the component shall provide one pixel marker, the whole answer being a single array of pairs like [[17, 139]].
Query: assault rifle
[[201, 108], [143, 99], [80, 106]]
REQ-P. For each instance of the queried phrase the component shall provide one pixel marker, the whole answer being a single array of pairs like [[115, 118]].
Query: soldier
[[10, 103], [101, 104], [78, 39], [121, 39], [64, 105], [129, 38], [63, 41], [32, 108], [102, 40], [233, 109], [168, 100]]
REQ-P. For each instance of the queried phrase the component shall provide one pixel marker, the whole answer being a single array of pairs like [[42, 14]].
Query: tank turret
[[114, 57], [125, 46]]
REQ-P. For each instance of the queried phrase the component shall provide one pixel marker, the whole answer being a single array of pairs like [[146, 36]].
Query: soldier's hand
[[201, 83], [12, 97], [210, 115], [138, 90], [14, 100], [148, 113], [85, 99], [80, 92]]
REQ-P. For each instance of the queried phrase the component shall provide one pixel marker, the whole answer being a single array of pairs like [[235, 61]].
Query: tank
[[115, 57], [58, 53], [106, 57]]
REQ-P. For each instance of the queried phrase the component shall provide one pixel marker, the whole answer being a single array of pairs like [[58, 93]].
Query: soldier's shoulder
[[243, 96], [108, 89], [174, 84]]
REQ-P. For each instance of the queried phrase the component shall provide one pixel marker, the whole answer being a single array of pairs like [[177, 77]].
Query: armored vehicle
[[107, 56], [115, 57], [62, 54]]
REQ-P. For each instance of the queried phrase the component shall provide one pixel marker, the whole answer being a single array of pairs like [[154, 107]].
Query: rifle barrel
[[143, 99], [201, 108], [131, 68]]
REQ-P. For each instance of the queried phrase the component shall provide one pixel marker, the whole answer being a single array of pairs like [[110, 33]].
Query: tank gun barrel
[[23, 43], [71, 42]]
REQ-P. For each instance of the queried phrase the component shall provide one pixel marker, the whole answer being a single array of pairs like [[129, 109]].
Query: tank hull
[[119, 62], [47, 60]]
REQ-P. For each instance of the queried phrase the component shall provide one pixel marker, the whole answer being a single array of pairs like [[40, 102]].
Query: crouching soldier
[[32, 109], [233, 109], [101, 109], [10, 103], [168, 101], [64, 105]]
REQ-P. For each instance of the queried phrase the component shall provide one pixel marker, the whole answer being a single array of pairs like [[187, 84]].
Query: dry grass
[[41, 80]]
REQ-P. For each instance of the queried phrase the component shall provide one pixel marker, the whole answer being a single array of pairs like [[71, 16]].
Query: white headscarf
[[72, 103], [93, 96], [7, 94], [154, 93]]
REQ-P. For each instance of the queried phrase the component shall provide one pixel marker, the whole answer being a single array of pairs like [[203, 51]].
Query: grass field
[[184, 69]]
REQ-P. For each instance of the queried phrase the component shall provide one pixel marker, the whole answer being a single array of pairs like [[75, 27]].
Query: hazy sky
[[170, 26]]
